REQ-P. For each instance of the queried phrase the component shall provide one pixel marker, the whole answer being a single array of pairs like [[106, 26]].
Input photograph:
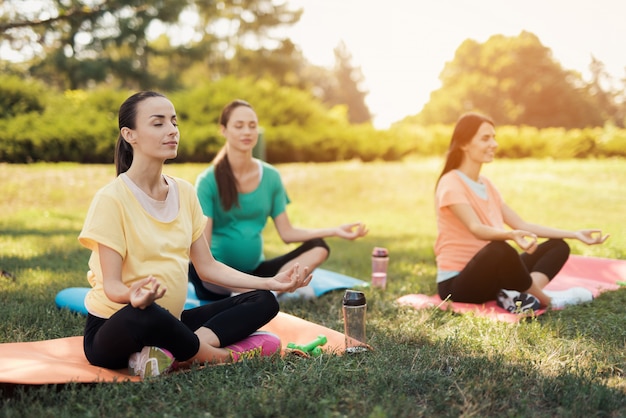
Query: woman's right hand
[[527, 241], [144, 292]]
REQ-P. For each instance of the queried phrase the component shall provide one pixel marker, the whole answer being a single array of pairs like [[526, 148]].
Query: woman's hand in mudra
[[144, 292]]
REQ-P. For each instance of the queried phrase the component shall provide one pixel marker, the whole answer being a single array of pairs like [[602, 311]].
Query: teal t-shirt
[[237, 234]]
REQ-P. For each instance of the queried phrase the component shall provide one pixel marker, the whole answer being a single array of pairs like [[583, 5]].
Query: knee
[[319, 247], [268, 301], [558, 250], [148, 320], [322, 253], [561, 246], [502, 249]]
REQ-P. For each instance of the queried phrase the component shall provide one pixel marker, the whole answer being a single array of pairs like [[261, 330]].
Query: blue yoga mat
[[324, 281]]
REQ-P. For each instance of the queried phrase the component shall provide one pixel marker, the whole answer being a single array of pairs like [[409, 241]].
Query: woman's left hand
[[591, 236], [290, 280], [351, 231]]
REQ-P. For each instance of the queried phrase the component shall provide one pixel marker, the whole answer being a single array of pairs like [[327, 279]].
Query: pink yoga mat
[[593, 273]]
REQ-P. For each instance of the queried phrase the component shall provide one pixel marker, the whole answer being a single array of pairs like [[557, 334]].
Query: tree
[[345, 87], [620, 100], [78, 42], [606, 96], [516, 81], [285, 64]]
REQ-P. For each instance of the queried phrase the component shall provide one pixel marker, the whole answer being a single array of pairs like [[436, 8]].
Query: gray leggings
[[109, 342]]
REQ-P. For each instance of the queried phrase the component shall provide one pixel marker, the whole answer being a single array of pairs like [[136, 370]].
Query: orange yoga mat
[[62, 360], [593, 273]]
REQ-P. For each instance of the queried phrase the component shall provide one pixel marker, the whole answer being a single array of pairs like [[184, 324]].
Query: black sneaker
[[516, 302]]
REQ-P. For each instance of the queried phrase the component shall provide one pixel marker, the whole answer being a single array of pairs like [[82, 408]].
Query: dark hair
[[127, 117], [464, 130], [224, 176]]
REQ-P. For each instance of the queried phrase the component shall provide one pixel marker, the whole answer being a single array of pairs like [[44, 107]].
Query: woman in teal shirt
[[238, 193]]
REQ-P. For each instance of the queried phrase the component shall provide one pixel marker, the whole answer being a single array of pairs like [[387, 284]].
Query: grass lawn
[[426, 363]]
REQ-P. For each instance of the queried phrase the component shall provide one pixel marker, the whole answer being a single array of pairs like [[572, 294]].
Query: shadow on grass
[[601, 321], [55, 261], [449, 364], [449, 381], [57, 249], [421, 366], [408, 378]]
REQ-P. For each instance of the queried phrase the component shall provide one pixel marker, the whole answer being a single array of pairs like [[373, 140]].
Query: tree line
[[86, 55], [169, 45], [42, 124]]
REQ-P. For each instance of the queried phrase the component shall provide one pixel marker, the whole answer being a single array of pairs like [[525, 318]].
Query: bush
[[81, 126], [75, 126], [611, 142], [18, 97]]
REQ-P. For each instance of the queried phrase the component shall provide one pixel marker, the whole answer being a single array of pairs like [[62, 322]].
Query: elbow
[[479, 233], [288, 238], [198, 272], [475, 230], [116, 297]]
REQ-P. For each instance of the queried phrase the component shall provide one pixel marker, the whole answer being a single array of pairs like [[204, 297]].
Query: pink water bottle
[[380, 261]]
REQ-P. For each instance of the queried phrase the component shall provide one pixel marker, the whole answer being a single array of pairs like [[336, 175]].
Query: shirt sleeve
[[104, 224], [207, 192], [450, 191]]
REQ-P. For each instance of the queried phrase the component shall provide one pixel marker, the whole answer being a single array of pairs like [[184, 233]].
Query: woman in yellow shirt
[[142, 229]]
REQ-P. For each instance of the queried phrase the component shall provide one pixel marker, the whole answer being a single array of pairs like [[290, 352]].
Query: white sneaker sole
[[569, 297]]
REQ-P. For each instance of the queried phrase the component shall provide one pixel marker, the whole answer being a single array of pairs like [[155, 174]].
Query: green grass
[[426, 363]]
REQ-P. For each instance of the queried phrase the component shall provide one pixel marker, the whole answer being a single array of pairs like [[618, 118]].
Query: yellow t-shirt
[[148, 246], [456, 245]]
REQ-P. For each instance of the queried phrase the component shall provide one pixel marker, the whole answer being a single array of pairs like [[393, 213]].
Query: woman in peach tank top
[[476, 261]]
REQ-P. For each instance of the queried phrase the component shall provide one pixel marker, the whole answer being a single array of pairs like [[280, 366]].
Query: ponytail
[[127, 118], [226, 181], [224, 176]]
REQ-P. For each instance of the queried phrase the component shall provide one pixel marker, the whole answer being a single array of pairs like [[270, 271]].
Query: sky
[[401, 46]]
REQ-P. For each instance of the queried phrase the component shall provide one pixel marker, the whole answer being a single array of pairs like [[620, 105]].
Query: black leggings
[[267, 268], [499, 266], [109, 342]]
